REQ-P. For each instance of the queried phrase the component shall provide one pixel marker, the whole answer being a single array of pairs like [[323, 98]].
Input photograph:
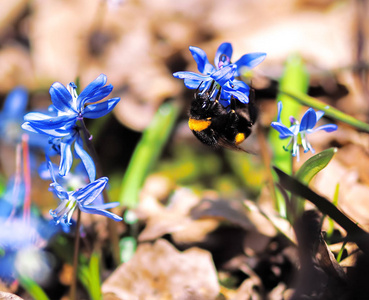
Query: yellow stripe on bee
[[240, 137], [198, 125]]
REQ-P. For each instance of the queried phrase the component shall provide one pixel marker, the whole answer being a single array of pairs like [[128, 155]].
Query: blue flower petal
[[85, 158], [66, 158], [238, 89], [249, 61], [326, 127], [59, 191], [225, 74], [98, 110], [191, 75], [308, 120], [225, 102], [51, 132], [42, 121], [223, 49], [319, 114], [105, 205], [192, 84], [280, 106], [100, 94], [283, 130], [243, 98], [61, 98], [101, 212], [92, 88], [203, 64], [88, 194], [15, 103]]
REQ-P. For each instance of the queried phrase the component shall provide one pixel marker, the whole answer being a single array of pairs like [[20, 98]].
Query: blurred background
[[186, 198]]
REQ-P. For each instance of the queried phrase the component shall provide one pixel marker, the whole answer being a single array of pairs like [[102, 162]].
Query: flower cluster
[[219, 82], [84, 198], [297, 132], [67, 109], [64, 124]]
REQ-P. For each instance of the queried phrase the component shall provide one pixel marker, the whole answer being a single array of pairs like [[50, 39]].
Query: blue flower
[[21, 236], [19, 241], [61, 122], [298, 132], [70, 107], [223, 74], [63, 146], [83, 198]]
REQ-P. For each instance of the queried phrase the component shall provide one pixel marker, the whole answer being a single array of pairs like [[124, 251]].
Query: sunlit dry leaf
[[9, 296], [268, 221], [15, 68], [328, 262], [304, 31], [350, 261], [10, 10], [278, 291], [350, 247], [352, 198], [159, 271], [174, 217], [249, 289], [354, 156]]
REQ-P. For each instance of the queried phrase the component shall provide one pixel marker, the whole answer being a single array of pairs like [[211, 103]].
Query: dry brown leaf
[[15, 68], [249, 289], [159, 271], [231, 211], [268, 221], [350, 247], [328, 262], [9, 296], [9, 11], [174, 218], [353, 195], [350, 261]]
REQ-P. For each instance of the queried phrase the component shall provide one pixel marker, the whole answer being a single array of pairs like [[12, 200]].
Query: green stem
[[328, 110], [73, 288]]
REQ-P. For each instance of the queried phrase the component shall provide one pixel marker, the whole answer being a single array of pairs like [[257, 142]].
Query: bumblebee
[[219, 126]]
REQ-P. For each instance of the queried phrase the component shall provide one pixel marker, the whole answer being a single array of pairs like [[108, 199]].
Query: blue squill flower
[[83, 198], [69, 107], [223, 74], [61, 122], [297, 132]]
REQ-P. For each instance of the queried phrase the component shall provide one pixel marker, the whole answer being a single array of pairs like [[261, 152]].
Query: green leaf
[[330, 229], [32, 288], [307, 172], [148, 152], [354, 232], [294, 78], [314, 165], [89, 275]]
